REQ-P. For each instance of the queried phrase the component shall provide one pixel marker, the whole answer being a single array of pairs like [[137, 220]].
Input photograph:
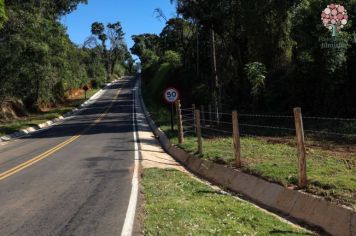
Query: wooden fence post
[[179, 123], [202, 115], [194, 118], [302, 164], [236, 138], [210, 116], [198, 127]]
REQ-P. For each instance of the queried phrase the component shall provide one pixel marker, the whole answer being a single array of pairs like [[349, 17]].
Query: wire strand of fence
[[219, 113], [188, 123], [330, 133], [265, 116], [221, 122], [187, 120], [188, 127], [187, 112], [217, 130], [267, 127], [187, 117], [328, 118]]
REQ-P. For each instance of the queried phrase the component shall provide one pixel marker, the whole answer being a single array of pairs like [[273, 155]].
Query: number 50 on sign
[[171, 95]]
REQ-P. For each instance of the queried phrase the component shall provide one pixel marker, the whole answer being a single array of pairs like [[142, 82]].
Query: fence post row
[[236, 138], [179, 123], [198, 128], [302, 165]]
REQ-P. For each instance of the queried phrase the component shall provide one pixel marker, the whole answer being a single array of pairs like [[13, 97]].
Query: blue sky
[[136, 16]]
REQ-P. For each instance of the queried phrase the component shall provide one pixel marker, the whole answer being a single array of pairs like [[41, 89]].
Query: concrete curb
[[312, 210], [49, 123]]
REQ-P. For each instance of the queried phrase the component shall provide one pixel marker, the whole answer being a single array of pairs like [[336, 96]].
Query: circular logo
[[334, 17], [171, 95]]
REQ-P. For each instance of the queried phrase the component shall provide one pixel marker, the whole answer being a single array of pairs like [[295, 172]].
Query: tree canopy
[[229, 45], [116, 50], [39, 63], [2, 13]]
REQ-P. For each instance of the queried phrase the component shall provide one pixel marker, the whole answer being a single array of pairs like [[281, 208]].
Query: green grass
[[176, 204], [40, 117], [329, 174]]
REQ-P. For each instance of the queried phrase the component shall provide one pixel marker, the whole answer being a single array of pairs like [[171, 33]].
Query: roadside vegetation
[[176, 204], [36, 118], [224, 53], [41, 68]]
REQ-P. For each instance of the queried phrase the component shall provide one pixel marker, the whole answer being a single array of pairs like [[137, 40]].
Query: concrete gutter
[[306, 208], [47, 124]]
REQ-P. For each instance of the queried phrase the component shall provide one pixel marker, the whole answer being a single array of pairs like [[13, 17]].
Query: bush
[[173, 58]]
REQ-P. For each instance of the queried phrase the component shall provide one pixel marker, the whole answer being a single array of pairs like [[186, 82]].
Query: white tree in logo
[[334, 18]]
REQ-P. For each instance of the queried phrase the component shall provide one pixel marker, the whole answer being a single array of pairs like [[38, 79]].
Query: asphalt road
[[73, 178]]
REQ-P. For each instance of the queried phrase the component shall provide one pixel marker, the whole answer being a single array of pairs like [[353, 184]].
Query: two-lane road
[[74, 178]]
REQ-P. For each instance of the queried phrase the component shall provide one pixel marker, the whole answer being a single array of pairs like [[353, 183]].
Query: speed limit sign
[[171, 95]]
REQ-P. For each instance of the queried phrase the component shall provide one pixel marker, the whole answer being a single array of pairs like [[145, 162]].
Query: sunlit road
[[74, 178]]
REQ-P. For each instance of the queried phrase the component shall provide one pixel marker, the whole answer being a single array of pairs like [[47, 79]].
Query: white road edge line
[[127, 229]]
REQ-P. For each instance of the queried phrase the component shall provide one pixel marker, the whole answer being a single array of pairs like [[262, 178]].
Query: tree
[[39, 64], [146, 42], [256, 74], [117, 50], [3, 17], [173, 58], [281, 35]]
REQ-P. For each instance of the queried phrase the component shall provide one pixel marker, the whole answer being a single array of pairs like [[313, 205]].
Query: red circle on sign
[[171, 95]]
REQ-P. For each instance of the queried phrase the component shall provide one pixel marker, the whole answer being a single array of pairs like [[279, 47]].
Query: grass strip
[[329, 174], [176, 204]]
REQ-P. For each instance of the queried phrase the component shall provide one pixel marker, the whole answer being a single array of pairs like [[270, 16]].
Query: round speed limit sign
[[171, 95]]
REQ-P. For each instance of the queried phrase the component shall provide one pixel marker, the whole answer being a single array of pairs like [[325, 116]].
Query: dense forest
[[259, 56], [39, 63]]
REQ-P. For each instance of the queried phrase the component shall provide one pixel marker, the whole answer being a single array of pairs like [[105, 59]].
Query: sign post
[[85, 88], [171, 95]]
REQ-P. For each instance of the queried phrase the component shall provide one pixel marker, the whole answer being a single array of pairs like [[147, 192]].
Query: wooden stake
[[202, 109], [180, 123], [302, 164], [236, 138], [198, 127]]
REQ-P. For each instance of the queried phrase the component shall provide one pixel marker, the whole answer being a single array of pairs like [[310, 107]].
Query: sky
[[136, 17]]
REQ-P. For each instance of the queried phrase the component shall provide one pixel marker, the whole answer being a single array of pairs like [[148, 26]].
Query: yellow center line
[[51, 151]]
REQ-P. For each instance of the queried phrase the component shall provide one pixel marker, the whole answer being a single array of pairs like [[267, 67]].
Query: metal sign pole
[[172, 121]]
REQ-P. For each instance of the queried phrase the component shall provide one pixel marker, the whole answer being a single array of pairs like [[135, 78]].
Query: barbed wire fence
[[205, 124]]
